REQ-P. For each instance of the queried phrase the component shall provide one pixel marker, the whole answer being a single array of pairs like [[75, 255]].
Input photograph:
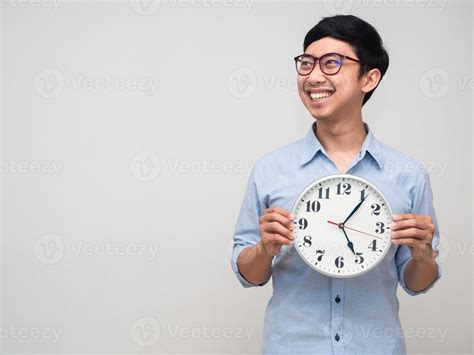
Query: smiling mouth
[[320, 96]]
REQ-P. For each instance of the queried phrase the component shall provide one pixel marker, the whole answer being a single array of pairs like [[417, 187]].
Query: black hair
[[363, 38]]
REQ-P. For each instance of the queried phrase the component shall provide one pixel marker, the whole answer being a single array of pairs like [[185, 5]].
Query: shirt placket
[[337, 315]]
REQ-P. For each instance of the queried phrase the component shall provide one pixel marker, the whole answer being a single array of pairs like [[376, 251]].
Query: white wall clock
[[342, 225]]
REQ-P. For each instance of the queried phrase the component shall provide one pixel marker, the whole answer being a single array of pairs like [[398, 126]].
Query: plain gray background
[[128, 133]]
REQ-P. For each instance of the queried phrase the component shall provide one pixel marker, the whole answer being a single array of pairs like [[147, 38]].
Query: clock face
[[333, 248]]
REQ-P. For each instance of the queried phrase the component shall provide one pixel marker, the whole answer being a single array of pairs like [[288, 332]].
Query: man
[[310, 312]]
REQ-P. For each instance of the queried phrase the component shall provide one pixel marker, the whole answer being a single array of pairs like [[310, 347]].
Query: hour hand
[[349, 243]]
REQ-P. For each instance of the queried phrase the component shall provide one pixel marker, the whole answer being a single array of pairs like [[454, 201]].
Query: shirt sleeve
[[422, 203], [247, 229]]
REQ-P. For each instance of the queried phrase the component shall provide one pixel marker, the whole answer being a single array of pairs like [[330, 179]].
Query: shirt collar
[[312, 145]]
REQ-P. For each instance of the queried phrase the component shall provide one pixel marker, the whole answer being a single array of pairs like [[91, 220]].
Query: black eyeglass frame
[[318, 61]]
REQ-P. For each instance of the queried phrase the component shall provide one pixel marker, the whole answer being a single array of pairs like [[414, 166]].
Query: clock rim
[[333, 176]]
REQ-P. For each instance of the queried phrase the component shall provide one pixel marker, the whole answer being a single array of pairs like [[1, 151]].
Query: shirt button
[[337, 337], [337, 299]]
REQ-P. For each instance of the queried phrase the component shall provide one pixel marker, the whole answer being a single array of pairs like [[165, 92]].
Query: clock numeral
[[380, 228], [324, 192], [362, 194], [320, 254], [373, 245], [307, 241], [375, 209], [343, 188], [302, 223], [359, 259], [339, 262], [313, 206]]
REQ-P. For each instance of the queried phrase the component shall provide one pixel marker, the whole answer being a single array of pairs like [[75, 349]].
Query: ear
[[370, 80]]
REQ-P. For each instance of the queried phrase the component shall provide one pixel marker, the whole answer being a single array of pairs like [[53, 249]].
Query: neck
[[341, 136]]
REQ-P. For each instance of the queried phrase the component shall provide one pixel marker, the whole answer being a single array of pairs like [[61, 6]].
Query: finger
[[411, 233], [275, 227], [400, 217], [410, 242], [410, 223], [279, 210], [276, 239], [276, 217]]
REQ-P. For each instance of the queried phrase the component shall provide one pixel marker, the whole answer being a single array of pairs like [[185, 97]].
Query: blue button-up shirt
[[309, 312]]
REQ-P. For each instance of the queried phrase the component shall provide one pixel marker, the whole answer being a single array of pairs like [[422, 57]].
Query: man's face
[[345, 87]]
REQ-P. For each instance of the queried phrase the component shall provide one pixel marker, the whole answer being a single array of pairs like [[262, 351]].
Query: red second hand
[[337, 224]]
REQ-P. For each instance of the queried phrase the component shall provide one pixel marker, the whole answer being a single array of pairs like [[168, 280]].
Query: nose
[[316, 76]]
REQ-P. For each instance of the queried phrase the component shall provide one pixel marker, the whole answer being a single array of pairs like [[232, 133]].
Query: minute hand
[[355, 209]]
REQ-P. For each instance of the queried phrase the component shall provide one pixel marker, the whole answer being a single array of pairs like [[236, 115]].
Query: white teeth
[[320, 95]]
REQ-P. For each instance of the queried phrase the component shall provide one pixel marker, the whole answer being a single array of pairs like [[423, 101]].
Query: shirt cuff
[[235, 255], [401, 277]]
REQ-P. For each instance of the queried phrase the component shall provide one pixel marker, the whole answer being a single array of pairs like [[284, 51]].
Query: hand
[[416, 232], [276, 229]]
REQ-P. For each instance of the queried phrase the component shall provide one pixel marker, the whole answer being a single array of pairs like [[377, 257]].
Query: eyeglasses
[[330, 63]]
